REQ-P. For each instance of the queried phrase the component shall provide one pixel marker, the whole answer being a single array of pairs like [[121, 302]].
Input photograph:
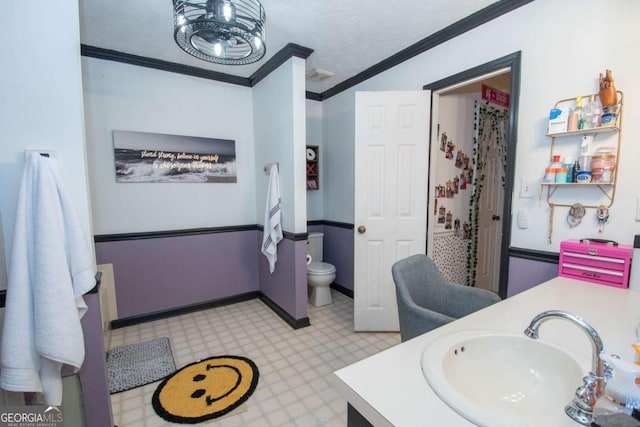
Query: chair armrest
[[416, 320], [463, 300]]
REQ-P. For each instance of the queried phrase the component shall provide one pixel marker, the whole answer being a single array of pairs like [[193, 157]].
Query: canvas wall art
[[152, 157]]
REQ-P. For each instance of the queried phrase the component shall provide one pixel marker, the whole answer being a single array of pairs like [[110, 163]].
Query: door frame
[[512, 61]]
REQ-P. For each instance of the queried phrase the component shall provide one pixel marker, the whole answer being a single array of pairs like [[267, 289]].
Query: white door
[[490, 227], [391, 157]]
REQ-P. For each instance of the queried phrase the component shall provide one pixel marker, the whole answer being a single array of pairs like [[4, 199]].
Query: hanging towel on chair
[[51, 267], [272, 216]]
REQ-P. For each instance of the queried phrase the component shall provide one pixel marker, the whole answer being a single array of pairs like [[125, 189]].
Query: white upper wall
[[41, 102], [126, 97], [315, 210], [563, 47], [280, 133], [456, 119]]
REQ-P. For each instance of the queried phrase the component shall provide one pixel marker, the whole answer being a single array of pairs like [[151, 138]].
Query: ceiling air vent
[[318, 75]]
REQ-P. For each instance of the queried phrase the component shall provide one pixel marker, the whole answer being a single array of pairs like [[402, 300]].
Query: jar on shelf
[[603, 164], [549, 175], [607, 175], [561, 175]]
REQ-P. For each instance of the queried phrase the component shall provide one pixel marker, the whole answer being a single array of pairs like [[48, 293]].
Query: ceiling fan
[[228, 32]]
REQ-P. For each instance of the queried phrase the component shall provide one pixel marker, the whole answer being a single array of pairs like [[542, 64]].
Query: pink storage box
[[596, 262]]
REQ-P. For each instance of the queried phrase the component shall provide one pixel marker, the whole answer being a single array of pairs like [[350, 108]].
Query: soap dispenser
[[622, 392]]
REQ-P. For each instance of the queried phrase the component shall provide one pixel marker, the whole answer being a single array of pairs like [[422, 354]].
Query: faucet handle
[[608, 371], [586, 393]]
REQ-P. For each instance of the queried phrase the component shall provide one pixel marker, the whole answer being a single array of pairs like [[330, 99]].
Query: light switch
[[638, 208], [527, 189]]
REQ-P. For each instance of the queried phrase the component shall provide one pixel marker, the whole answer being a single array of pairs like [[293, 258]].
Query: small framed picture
[[442, 211], [459, 159], [450, 150]]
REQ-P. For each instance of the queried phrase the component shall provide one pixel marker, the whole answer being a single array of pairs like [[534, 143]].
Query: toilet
[[319, 274]]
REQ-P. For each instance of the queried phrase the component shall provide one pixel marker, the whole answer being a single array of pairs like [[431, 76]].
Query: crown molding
[[289, 51], [283, 55], [157, 64]]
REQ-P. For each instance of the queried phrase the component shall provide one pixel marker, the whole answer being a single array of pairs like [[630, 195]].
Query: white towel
[[51, 267], [272, 217]]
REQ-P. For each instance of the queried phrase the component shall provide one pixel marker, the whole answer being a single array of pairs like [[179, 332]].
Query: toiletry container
[[549, 175], [572, 123], [621, 393], [561, 175], [584, 174], [585, 162], [603, 164], [589, 108], [609, 115], [596, 118], [580, 112], [568, 164]]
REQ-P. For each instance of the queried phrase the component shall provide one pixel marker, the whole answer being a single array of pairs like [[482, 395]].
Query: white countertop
[[389, 388]]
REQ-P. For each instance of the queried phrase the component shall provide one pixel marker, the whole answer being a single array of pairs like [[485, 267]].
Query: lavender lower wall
[[93, 377], [338, 250], [170, 272], [526, 273], [287, 286]]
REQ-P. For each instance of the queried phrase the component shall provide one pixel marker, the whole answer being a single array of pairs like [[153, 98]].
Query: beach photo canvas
[[154, 157]]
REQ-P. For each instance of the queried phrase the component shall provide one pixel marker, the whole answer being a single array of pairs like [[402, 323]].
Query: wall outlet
[[528, 189]]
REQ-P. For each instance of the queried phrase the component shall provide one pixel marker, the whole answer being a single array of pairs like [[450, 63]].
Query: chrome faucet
[[580, 408]]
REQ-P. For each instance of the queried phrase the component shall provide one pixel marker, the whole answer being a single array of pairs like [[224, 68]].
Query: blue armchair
[[426, 300]]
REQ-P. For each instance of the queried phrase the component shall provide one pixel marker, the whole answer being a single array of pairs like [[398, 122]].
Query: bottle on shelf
[[572, 123], [549, 175], [551, 172], [596, 118], [588, 107], [580, 112], [574, 172], [561, 175], [567, 163], [576, 117]]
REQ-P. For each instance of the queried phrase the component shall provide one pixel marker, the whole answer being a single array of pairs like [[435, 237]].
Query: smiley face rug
[[205, 389]]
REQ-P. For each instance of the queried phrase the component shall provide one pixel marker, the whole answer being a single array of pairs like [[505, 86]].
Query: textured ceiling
[[347, 36]]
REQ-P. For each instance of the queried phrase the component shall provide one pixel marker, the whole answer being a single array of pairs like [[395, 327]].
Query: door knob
[[496, 217], [362, 229]]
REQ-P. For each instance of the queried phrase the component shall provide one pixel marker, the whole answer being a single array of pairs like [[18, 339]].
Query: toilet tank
[[314, 246]]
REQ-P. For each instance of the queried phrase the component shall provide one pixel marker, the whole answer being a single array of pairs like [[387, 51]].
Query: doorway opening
[[469, 231]]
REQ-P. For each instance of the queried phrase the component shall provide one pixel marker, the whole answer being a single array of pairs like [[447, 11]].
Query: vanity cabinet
[[572, 141], [313, 167]]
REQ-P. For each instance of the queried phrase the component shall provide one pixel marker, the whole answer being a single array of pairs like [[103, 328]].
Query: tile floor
[[293, 389]]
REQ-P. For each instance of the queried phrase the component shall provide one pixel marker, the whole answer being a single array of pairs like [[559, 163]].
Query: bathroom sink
[[495, 378]]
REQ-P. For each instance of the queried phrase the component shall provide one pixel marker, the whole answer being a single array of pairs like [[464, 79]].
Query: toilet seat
[[317, 267]]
